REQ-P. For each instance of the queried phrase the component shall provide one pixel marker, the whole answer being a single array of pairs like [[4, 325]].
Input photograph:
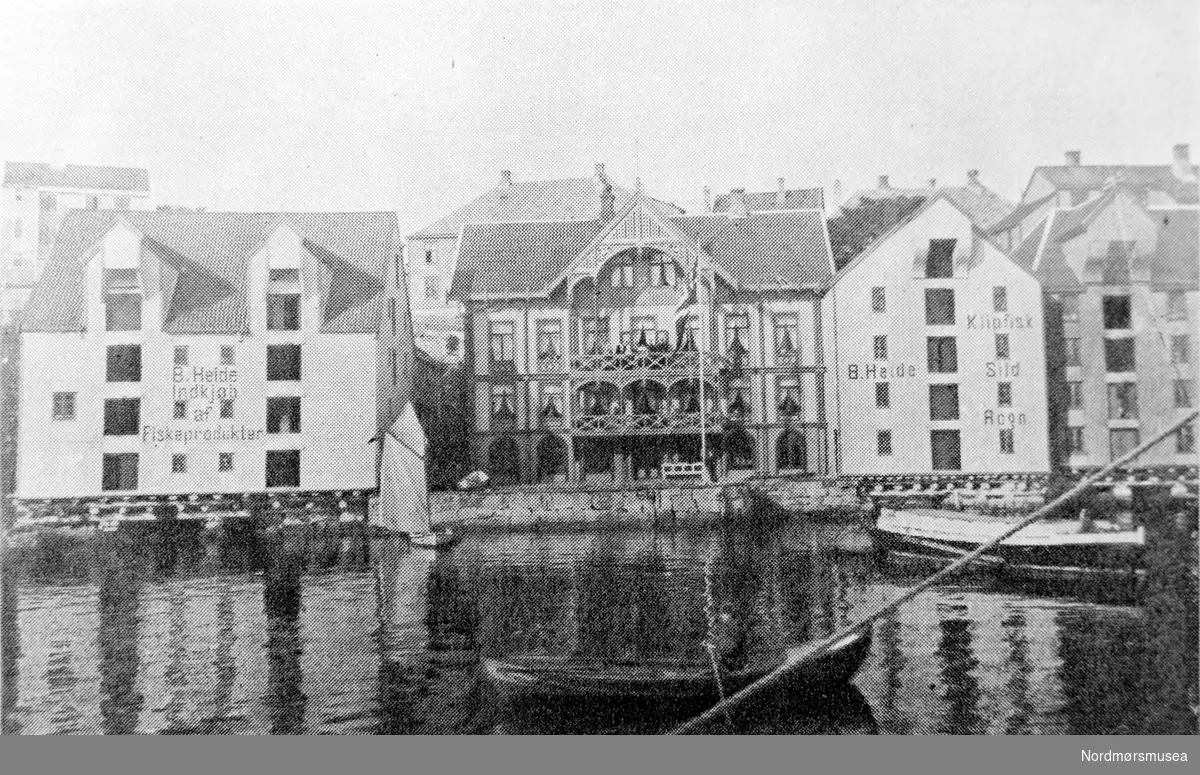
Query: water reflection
[[290, 633]]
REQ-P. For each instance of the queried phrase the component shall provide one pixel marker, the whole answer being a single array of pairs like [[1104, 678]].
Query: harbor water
[[283, 633]]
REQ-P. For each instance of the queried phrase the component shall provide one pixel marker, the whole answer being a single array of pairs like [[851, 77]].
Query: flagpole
[[700, 357]]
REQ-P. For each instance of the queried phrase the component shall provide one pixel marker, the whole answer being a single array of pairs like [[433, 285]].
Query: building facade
[[624, 347], [36, 197], [1121, 281], [935, 347], [168, 353]]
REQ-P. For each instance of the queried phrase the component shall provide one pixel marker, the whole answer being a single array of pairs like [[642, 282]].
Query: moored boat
[[591, 680], [1052, 549], [440, 539]]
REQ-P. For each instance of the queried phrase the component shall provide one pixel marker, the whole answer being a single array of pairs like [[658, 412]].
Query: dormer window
[[122, 300], [283, 300], [939, 261]]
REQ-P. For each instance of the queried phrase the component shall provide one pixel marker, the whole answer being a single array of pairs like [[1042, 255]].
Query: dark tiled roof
[[794, 199], [857, 226], [784, 248], [18, 173], [572, 199], [210, 251], [983, 206]]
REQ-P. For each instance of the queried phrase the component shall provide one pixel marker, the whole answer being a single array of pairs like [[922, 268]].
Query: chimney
[[600, 174], [781, 195], [608, 202], [1183, 163], [933, 182], [707, 199], [506, 178], [1182, 154], [1073, 158], [737, 203], [883, 182], [973, 178]]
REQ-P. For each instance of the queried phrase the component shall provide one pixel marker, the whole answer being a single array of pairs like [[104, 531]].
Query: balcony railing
[[683, 361], [647, 423]]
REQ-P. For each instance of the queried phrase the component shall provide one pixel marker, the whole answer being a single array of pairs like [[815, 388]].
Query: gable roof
[[1093, 177], [756, 201], [765, 249], [40, 174], [210, 252], [571, 199], [1175, 262], [982, 205]]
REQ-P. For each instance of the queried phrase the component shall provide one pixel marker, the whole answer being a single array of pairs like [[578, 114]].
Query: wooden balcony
[[682, 362], [646, 424]]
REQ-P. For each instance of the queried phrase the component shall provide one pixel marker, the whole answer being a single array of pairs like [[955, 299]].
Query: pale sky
[[417, 107]]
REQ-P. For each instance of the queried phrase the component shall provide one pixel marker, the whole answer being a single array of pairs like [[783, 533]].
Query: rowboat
[[539, 678], [440, 539], [1046, 550]]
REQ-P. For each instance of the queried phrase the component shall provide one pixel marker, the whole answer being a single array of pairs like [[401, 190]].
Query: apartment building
[[180, 352]]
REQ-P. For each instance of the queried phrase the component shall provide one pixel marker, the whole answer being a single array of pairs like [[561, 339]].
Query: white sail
[[403, 488]]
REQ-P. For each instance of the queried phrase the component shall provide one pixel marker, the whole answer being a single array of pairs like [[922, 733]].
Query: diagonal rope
[[824, 646]]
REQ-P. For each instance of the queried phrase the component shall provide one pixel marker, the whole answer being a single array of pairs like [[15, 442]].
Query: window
[[549, 341], [47, 201], [180, 412], [1070, 307], [1003, 394], [999, 299], [503, 339], [622, 271], [504, 405], [880, 347], [283, 415], [939, 261], [121, 416], [739, 397], [433, 288], [1075, 440], [284, 276], [124, 363], [1183, 394], [283, 362], [392, 314], [791, 450], [946, 446], [179, 464], [595, 335], [93, 202], [939, 306], [737, 333], [1185, 439], [1122, 441], [226, 408], [394, 364], [64, 406], [1176, 305], [943, 402], [283, 311], [1001, 346], [121, 202], [1179, 348], [787, 335], [883, 395], [1122, 401], [1072, 351], [1117, 313], [878, 300], [120, 471], [1074, 395], [429, 257], [1007, 443], [883, 443], [552, 403], [123, 312], [662, 269], [226, 355], [181, 355], [1118, 354], [943, 354], [17, 229], [283, 468], [789, 397], [225, 461]]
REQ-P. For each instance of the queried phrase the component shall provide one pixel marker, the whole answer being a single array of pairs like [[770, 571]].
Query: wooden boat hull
[[439, 540], [1054, 552], [549, 679]]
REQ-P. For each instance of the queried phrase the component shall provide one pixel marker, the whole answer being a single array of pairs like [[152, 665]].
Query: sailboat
[[403, 487]]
